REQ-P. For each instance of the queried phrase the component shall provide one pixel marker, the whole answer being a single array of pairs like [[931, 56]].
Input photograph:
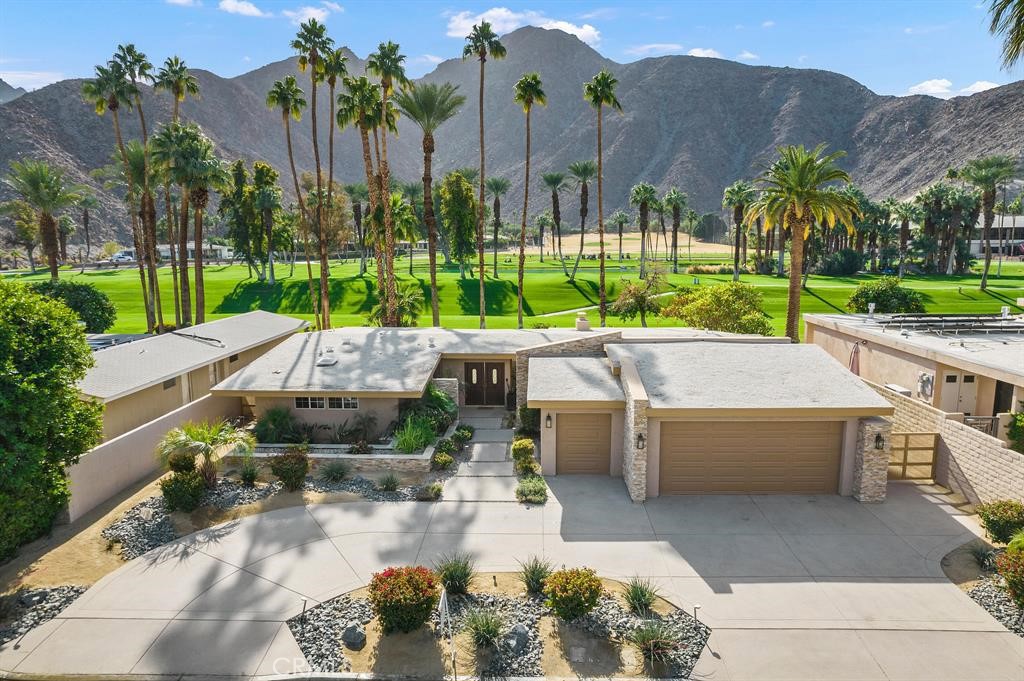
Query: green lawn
[[229, 290]]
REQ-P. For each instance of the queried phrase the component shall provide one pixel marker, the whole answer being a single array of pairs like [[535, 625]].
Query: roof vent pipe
[[871, 310], [582, 323]]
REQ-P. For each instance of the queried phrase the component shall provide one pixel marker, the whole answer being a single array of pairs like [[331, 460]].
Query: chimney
[[582, 323]]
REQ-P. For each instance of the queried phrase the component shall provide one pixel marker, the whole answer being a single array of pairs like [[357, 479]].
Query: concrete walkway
[[795, 587]]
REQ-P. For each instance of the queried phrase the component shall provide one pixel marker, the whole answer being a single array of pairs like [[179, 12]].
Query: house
[[670, 410]]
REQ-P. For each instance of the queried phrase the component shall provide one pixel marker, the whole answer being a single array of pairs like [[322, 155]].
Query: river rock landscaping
[[991, 595], [322, 630], [32, 607]]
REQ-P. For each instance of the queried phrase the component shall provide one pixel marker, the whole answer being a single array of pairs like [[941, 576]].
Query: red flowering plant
[[403, 597]]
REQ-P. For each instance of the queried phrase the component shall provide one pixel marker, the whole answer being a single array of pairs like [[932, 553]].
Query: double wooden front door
[[485, 383]]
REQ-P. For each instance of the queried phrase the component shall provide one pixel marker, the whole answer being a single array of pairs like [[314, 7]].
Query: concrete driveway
[[795, 587]]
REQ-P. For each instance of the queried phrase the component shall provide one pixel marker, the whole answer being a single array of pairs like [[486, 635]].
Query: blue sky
[[939, 47]]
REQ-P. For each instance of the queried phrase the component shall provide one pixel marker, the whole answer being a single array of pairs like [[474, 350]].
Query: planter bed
[[991, 595], [33, 607]]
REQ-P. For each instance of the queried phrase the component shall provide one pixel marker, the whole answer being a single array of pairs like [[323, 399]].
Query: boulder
[[354, 636]]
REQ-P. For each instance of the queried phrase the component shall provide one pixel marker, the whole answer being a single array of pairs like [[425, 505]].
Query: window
[[302, 403], [472, 378], [951, 378], [170, 383], [351, 402], [343, 403], [968, 379], [233, 358], [334, 403], [494, 377], [309, 403]]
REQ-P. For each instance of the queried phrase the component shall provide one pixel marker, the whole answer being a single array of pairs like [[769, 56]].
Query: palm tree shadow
[[829, 303], [1004, 299], [500, 296]]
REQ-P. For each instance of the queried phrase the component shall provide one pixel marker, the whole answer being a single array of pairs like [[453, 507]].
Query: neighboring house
[[152, 376], [671, 410]]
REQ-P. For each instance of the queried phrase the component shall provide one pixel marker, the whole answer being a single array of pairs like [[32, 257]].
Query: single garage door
[[757, 457], [583, 443]]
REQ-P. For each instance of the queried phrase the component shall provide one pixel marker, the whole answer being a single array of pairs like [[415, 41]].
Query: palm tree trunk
[[325, 312], [198, 261], [904, 240], [782, 253], [497, 226], [149, 224], [675, 239], [374, 190], [85, 228], [357, 216], [737, 219], [174, 262], [796, 260], [391, 292], [522, 228], [137, 243], [303, 219], [268, 224], [620, 243], [557, 215], [643, 240], [541, 228], [325, 268], [602, 294], [480, 206], [584, 198], [988, 199], [135, 228], [48, 235], [186, 302]]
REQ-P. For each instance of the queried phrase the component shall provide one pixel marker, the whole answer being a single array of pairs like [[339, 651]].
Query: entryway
[[485, 383]]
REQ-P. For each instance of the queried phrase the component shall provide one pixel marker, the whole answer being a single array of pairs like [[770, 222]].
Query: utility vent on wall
[[326, 358]]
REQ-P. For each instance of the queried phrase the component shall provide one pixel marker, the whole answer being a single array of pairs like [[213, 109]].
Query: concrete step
[[493, 435], [475, 469], [488, 451]]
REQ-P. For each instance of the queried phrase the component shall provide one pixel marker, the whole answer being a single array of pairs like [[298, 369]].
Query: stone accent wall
[[587, 345], [871, 465], [449, 386], [976, 465], [634, 461]]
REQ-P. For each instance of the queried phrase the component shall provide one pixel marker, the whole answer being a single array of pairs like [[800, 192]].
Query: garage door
[[762, 457], [583, 443]]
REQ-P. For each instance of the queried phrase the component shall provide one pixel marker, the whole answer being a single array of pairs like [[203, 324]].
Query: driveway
[[795, 587]]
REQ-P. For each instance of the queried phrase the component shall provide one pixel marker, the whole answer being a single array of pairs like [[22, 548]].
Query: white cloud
[[305, 13], [653, 48], [601, 13], [936, 87], [333, 6], [184, 3], [504, 20], [247, 59], [30, 80], [704, 52], [747, 55], [978, 86], [767, 24], [428, 59], [802, 59], [243, 7]]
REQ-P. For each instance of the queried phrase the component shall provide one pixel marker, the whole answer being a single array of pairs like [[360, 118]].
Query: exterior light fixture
[[879, 441], [547, 421], [640, 442]]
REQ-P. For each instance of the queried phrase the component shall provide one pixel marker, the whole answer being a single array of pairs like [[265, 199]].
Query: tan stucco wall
[[384, 409], [549, 439], [131, 411]]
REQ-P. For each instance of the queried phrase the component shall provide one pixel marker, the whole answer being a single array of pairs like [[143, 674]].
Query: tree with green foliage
[[640, 298], [675, 200], [620, 219], [987, 174], [641, 196], [495, 188], [555, 183], [1008, 22], [738, 196], [92, 306], [48, 192], [887, 295], [24, 231], [457, 209], [733, 307], [333, 65], [582, 173], [47, 425], [528, 91]]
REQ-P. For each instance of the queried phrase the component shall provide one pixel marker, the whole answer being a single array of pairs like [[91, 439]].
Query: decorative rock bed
[[143, 527], [991, 595], [361, 486], [36, 606], [319, 631], [230, 493]]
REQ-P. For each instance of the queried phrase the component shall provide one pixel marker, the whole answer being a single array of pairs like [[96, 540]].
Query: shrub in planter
[[361, 448], [403, 597], [389, 483], [640, 595], [532, 490], [1010, 566], [572, 593], [334, 471], [431, 492], [415, 433], [533, 573], [183, 491], [527, 467], [1002, 519], [181, 462], [484, 626], [529, 421], [1015, 431], [456, 571], [522, 450], [276, 425], [462, 435], [656, 641], [248, 471], [441, 462], [291, 468], [445, 446]]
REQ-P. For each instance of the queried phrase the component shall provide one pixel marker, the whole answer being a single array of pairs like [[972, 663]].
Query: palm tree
[[659, 209], [555, 183], [794, 194], [429, 105], [738, 196], [48, 192], [406, 223], [642, 196], [528, 91], [203, 172], [482, 42], [388, 64], [676, 201], [267, 200], [357, 194], [496, 187], [1008, 21], [545, 223], [287, 96], [87, 203], [987, 174], [333, 66], [205, 441], [620, 219], [25, 232], [173, 77], [582, 173], [692, 217], [600, 92]]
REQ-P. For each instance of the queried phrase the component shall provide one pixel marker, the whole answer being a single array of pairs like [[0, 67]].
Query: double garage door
[[800, 457]]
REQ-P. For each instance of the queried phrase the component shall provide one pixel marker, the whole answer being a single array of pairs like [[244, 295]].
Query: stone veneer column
[[449, 386], [634, 461], [871, 465]]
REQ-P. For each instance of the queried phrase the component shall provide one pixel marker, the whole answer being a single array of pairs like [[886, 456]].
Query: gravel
[[362, 486], [230, 493], [319, 632], [36, 606], [991, 595], [143, 527]]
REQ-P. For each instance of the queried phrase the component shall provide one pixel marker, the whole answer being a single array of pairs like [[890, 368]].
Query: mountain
[[9, 93], [692, 122]]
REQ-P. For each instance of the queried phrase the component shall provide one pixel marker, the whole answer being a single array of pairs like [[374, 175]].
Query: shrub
[[463, 434], [181, 462], [91, 305], [1010, 565], [656, 641], [183, 491], [640, 595], [1016, 543], [522, 450], [733, 307], [334, 471], [456, 571], [361, 448], [527, 467], [277, 425], [1002, 519], [572, 593], [291, 468], [389, 483], [529, 421], [415, 433], [484, 626], [403, 597], [533, 573], [431, 492], [709, 269], [445, 446], [248, 471], [844, 263], [532, 490], [441, 462], [887, 295], [1015, 431]]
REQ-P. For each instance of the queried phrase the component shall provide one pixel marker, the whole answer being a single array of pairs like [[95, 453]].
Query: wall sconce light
[[547, 421], [640, 442], [879, 441]]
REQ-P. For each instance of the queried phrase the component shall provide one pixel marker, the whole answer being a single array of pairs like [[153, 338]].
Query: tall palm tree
[[286, 96], [388, 64], [692, 217], [357, 194], [173, 77], [87, 203], [528, 91], [412, 192], [555, 183], [986, 174], [312, 43], [482, 42], [429, 105], [738, 196], [620, 219], [545, 223], [169, 145], [1008, 21], [406, 223], [642, 196], [906, 212], [496, 187], [267, 199], [582, 173], [659, 209], [203, 172], [600, 92], [333, 65], [48, 192], [794, 194], [676, 201], [109, 90]]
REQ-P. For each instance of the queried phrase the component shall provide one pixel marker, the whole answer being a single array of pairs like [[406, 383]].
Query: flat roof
[[764, 377], [994, 353], [573, 379], [123, 369]]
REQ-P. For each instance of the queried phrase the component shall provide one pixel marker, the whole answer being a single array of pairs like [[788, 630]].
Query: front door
[[475, 386], [494, 391]]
